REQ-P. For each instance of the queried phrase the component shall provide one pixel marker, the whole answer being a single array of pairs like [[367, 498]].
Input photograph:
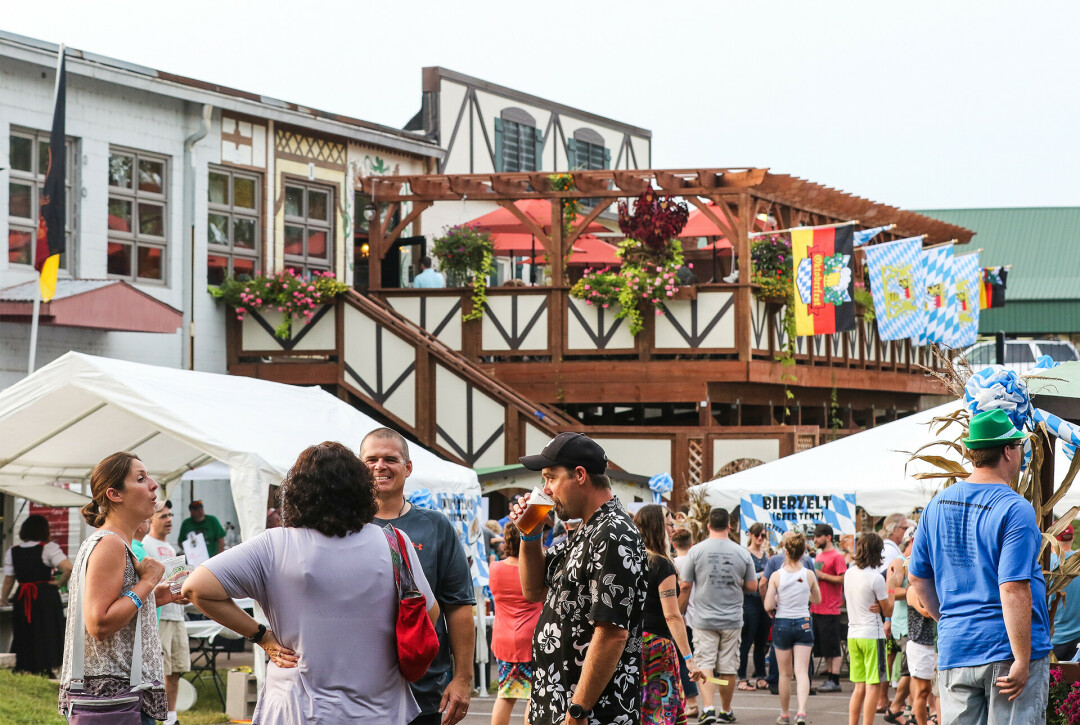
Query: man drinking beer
[[587, 646]]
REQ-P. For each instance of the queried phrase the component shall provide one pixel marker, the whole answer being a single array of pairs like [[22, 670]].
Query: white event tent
[[873, 464], [58, 422]]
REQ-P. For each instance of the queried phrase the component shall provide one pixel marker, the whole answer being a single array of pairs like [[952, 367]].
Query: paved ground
[[751, 708]]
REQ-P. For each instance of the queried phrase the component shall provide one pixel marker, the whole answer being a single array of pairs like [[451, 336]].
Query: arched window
[[518, 142], [586, 151]]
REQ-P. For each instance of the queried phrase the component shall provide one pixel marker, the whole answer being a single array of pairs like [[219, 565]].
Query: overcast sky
[[916, 104]]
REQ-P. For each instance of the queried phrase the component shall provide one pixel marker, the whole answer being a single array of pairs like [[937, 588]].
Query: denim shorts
[[786, 633]]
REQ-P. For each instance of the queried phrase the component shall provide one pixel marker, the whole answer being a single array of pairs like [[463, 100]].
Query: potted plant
[[771, 257], [286, 292], [467, 256], [652, 258]]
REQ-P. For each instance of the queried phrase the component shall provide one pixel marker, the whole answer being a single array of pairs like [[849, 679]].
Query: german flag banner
[[992, 289], [53, 213], [824, 284]]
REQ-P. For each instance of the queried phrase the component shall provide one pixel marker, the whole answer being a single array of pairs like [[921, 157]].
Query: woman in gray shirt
[[326, 582]]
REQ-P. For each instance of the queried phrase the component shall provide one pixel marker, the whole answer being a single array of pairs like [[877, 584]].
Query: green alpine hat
[[990, 429]]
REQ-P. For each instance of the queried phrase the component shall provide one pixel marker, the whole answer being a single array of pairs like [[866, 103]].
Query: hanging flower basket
[[286, 292]]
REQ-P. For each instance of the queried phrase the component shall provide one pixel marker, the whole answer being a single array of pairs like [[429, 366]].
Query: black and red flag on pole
[[52, 215]]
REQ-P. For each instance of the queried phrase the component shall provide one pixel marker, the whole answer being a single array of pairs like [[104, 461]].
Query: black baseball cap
[[570, 450]]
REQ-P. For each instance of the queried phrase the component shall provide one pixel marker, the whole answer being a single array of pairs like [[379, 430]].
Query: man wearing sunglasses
[[975, 566]]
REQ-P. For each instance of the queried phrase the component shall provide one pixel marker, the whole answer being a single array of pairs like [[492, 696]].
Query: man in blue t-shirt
[[975, 565]]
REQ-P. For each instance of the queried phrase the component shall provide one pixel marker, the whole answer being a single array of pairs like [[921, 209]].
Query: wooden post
[[555, 256], [743, 297], [425, 395], [375, 249], [513, 443], [1046, 485]]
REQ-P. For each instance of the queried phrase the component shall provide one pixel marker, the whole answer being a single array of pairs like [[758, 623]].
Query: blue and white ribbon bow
[[996, 388], [660, 484]]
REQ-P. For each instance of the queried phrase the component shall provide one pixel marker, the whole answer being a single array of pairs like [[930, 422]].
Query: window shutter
[[571, 154], [538, 135], [498, 145], [607, 158]]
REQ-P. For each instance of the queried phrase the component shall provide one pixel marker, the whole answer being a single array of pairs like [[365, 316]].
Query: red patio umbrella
[[538, 210], [699, 225], [515, 245], [589, 250]]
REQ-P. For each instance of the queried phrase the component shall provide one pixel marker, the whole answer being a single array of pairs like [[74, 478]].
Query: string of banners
[[927, 295]]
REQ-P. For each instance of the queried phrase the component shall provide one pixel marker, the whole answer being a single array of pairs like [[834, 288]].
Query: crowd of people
[[611, 619]]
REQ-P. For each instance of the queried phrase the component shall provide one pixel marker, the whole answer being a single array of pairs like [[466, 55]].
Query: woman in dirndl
[[37, 614], [663, 639], [512, 630]]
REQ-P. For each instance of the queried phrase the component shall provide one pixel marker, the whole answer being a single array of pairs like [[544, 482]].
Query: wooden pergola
[[739, 193]]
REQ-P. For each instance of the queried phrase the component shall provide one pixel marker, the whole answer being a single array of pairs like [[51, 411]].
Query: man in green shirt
[[208, 526]]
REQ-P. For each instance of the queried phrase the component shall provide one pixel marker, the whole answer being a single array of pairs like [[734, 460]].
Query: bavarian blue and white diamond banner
[[939, 296], [896, 276], [799, 512], [968, 280]]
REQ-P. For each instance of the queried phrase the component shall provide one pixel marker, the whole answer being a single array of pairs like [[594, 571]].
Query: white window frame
[[304, 263], [35, 178], [232, 213], [135, 238]]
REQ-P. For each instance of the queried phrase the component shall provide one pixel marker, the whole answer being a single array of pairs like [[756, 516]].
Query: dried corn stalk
[[953, 377]]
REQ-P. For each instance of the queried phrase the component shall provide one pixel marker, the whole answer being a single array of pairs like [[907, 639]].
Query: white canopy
[[57, 423], [872, 464]]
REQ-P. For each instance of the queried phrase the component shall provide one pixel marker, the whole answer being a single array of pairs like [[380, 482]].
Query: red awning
[[97, 304], [589, 250], [538, 210]]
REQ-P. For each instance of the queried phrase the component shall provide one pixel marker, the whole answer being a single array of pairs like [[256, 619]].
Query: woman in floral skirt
[[664, 637], [512, 631]]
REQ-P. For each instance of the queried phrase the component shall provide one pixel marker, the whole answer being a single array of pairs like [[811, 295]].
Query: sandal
[[745, 686], [762, 685], [900, 718]]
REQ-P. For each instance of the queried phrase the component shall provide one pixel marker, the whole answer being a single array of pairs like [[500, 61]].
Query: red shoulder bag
[[417, 643]]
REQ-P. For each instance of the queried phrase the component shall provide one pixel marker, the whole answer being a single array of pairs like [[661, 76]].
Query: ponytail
[[93, 515]]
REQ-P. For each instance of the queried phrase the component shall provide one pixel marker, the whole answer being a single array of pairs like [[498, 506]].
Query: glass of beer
[[537, 507]]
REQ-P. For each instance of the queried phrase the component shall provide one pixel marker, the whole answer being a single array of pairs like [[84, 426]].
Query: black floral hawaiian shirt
[[598, 575]]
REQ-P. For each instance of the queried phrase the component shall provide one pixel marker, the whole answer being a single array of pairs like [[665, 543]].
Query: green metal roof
[[1032, 318], [1042, 244]]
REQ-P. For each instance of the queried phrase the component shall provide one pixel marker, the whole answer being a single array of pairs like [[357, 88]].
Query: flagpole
[[34, 328], [31, 362], [792, 229]]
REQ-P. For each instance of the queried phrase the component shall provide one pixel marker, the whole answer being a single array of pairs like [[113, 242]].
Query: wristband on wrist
[[133, 597], [259, 634], [687, 657], [888, 619], [534, 537]]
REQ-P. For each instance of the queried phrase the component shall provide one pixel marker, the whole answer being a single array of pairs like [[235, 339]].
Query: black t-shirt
[[442, 558], [596, 575], [660, 568]]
